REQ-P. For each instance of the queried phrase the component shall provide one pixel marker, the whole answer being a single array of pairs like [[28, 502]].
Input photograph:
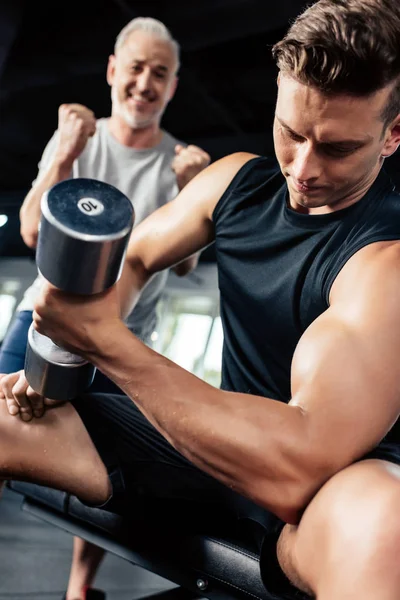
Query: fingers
[[78, 109], [7, 382], [21, 399], [36, 402], [92, 128], [178, 149], [81, 117], [199, 153], [193, 152], [189, 157], [17, 401], [188, 162]]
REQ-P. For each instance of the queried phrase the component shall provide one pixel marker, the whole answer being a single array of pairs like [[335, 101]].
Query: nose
[[143, 81], [307, 166]]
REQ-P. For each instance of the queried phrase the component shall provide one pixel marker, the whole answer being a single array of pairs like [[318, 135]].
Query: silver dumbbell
[[83, 236]]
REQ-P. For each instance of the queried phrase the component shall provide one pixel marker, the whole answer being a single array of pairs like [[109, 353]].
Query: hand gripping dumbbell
[[83, 236]]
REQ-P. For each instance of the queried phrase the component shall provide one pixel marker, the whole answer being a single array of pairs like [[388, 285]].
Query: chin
[[135, 121]]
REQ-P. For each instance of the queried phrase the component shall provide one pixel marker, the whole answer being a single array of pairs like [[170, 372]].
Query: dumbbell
[[83, 236]]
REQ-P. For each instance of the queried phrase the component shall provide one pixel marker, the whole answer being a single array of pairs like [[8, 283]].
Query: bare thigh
[[350, 528], [55, 450]]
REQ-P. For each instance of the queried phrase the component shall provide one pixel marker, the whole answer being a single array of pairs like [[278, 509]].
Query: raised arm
[[76, 124], [173, 233], [30, 210]]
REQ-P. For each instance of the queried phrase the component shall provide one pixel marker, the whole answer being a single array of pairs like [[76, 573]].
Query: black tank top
[[276, 268]]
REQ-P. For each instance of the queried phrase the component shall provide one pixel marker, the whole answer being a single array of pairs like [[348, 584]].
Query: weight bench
[[202, 563]]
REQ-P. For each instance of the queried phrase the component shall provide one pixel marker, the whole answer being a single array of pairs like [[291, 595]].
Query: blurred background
[[54, 53]]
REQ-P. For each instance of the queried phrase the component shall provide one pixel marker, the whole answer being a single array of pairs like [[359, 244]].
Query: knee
[[358, 508]]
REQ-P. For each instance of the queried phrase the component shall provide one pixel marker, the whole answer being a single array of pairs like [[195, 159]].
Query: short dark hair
[[346, 46]]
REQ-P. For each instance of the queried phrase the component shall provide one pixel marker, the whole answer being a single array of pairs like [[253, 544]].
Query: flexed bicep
[[344, 372]]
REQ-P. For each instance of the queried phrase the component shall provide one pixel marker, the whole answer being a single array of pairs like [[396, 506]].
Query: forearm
[[249, 443], [30, 209]]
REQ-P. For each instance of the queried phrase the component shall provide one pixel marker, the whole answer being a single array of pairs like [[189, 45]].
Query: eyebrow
[[350, 142], [161, 67]]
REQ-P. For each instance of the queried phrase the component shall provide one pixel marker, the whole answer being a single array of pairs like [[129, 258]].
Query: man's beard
[[133, 121]]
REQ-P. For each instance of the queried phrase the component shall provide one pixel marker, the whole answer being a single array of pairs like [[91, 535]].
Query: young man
[[131, 151], [306, 423]]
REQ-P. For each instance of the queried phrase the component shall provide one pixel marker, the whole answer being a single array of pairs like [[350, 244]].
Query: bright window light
[[189, 340], [3, 220], [7, 305]]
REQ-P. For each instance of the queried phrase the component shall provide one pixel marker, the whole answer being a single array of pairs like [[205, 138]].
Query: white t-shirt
[[146, 178]]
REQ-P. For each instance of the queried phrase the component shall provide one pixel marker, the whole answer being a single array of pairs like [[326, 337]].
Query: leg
[[347, 544], [55, 450], [86, 559], [13, 347]]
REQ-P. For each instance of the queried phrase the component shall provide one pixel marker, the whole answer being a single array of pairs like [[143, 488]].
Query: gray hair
[[151, 26]]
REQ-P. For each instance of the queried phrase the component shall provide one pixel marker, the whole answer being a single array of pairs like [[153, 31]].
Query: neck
[[140, 138]]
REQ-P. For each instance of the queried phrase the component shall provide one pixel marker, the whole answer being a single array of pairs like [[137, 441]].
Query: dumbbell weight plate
[[84, 230], [54, 372]]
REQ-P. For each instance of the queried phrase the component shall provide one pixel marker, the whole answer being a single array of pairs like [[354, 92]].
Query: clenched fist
[[188, 162], [76, 124]]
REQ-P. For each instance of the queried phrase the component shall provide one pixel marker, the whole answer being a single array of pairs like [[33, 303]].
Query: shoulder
[[168, 144], [232, 163], [224, 169], [222, 172], [238, 158], [372, 272], [243, 174], [101, 129], [102, 123], [169, 139]]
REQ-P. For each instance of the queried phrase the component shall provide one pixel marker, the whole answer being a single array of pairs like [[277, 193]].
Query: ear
[[174, 85], [278, 79], [392, 141], [111, 69]]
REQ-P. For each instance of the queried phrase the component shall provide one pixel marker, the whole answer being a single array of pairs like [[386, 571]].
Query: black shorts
[[144, 468], [148, 474]]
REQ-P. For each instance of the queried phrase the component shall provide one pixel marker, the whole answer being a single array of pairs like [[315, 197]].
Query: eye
[[336, 151], [295, 137], [292, 135]]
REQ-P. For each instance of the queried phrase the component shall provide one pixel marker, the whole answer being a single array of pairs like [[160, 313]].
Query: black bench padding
[[228, 563]]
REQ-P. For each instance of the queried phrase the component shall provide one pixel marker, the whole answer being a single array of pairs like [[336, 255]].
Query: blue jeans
[[12, 353]]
